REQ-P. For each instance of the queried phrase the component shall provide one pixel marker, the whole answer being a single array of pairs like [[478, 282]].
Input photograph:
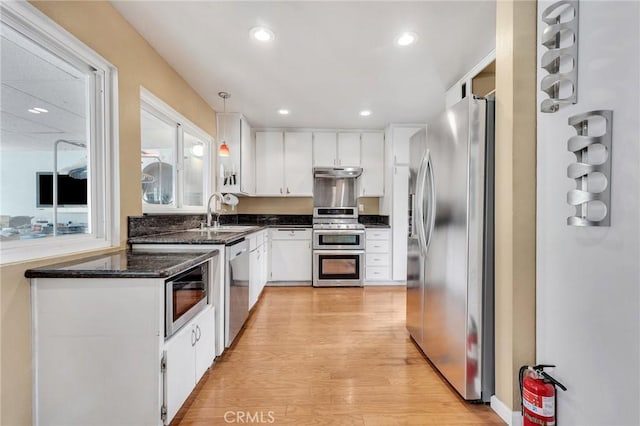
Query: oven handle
[[338, 231], [338, 252]]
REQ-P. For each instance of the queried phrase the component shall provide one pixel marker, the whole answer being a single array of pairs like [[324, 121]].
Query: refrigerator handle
[[432, 202], [419, 204]]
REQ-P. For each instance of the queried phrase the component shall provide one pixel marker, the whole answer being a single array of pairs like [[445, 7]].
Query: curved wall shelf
[[561, 60], [591, 199]]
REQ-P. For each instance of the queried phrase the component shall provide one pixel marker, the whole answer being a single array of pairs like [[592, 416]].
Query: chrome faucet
[[215, 210]]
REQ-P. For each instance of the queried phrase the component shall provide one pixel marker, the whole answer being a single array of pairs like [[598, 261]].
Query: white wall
[[588, 279]]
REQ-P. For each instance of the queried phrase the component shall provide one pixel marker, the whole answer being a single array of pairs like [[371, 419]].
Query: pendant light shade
[[223, 149]]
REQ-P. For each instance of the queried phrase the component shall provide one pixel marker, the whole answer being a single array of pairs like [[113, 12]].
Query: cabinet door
[[205, 342], [400, 143], [400, 222], [298, 164], [324, 149], [254, 271], [372, 162], [349, 149], [266, 260], [247, 160], [291, 260], [180, 376], [269, 164]]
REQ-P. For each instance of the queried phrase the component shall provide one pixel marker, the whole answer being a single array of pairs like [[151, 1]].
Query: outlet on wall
[[360, 208]]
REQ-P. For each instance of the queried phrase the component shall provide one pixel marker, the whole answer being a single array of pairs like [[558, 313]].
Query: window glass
[[193, 158], [158, 159], [45, 144], [175, 161]]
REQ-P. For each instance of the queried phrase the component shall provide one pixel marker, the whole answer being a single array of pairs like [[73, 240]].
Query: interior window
[[56, 140], [175, 159]]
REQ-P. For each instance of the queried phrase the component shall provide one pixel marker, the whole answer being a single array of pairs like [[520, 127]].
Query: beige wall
[[293, 205], [515, 234], [102, 28]]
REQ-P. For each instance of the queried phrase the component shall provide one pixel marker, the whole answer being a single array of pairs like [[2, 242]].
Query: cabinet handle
[[288, 191], [198, 333], [193, 337], [281, 190], [363, 191]]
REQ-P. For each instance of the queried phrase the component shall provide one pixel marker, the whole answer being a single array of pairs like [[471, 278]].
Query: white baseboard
[[512, 418]]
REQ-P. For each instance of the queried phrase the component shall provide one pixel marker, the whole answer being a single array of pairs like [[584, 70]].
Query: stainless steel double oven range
[[338, 247]]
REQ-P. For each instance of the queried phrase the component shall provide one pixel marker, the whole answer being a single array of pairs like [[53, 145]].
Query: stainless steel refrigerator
[[450, 246]]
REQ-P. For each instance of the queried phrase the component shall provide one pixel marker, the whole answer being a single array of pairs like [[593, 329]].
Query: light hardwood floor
[[327, 356]]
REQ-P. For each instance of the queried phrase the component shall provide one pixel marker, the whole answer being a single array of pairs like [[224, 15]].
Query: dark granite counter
[[124, 264], [194, 237], [377, 225]]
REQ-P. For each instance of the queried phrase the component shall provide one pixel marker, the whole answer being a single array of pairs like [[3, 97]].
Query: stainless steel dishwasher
[[237, 289]]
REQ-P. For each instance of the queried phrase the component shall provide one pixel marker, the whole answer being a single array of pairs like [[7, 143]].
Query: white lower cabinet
[[257, 266], [377, 255], [290, 254], [187, 355], [100, 356]]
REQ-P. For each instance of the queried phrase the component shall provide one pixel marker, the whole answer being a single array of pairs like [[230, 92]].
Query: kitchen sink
[[226, 228]]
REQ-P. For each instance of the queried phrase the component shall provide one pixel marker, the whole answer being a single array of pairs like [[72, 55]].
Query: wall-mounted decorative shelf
[[592, 172], [561, 60]]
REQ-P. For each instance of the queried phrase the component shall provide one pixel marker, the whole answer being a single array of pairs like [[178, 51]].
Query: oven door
[[335, 268], [338, 239], [185, 296]]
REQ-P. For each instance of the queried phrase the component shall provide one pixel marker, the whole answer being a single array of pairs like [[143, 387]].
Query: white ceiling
[[33, 77], [328, 61]]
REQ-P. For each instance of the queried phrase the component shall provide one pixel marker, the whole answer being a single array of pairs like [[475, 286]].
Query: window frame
[[158, 108], [104, 205]]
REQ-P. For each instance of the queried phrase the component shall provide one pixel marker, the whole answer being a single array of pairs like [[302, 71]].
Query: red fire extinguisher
[[538, 395]]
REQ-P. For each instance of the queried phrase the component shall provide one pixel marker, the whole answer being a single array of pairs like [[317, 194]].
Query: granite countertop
[[219, 237], [124, 264], [377, 225]]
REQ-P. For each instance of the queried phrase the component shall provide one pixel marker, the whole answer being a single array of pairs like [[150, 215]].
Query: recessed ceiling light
[[41, 109], [283, 111], [406, 38], [365, 113], [33, 111], [262, 34]]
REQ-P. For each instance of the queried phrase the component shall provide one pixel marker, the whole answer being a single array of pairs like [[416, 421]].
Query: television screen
[[71, 192]]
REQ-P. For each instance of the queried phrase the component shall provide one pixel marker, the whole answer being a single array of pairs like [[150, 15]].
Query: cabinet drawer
[[377, 273], [377, 246], [291, 234], [378, 234], [377, 259]]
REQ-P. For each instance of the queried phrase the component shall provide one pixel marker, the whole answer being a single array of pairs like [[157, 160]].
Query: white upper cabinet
[[269, 164], [331, 149], [324, 149], [372, 162], [284, 164], [298, 160], [348, 149], [400, 143], [235, 172]]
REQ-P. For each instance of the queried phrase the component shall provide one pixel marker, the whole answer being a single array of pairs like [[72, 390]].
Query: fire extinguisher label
[[541, 405]]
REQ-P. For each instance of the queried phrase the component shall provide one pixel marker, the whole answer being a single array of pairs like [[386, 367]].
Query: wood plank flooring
[[327, 356]]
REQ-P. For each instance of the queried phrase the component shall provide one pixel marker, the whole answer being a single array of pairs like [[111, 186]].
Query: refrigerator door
[[415, 250], [453, 275]]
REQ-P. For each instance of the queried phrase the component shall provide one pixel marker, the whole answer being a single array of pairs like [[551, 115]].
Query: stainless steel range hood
[[335, 186], [337, 172]]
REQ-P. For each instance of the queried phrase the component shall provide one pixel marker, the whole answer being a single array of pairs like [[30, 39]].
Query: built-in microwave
[[186, 294]]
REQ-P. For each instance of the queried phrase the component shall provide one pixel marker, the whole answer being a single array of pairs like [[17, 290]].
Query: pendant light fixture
[[223, 150]]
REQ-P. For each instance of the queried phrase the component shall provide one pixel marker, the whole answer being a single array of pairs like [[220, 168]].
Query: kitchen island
[[121, 338]]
